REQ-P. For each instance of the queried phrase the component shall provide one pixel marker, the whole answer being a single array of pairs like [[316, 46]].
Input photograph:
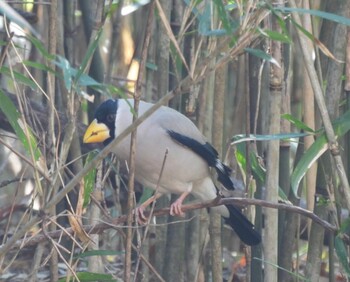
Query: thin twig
[[137, 97], [145, 233]]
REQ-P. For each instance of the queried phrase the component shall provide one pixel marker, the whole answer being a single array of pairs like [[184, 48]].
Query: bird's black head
[[102, 128], [106, 113]]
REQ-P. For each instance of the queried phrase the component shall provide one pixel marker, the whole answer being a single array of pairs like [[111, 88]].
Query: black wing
[[208, 153]]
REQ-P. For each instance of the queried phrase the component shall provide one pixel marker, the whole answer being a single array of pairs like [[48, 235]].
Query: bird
[[189, 158]]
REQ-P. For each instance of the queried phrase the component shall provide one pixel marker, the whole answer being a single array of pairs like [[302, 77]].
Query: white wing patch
[[219, 166]]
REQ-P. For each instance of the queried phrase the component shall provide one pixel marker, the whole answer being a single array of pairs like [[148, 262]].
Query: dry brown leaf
[[77, 226], [325, 50]]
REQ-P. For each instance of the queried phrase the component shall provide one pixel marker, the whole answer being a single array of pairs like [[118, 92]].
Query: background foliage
[[266, 83]]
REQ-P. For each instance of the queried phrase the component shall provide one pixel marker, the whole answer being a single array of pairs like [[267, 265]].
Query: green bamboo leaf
[[342, 124], [282, 23], [342, 254], [40, 47], [297, 277], [86, 80], [38, 66], [239, 138], [341, 127], [345, 226], [274, 35], [89, 53], [205, 20], [146, 194], [70, 74], [67, 71], [317, 13], [98, 253], [307, 160], [29, 142], [18, 77], [91, 277], [89, 179], [258, 171], [316, 41], [225, 19], [262, 55], [297, 123]]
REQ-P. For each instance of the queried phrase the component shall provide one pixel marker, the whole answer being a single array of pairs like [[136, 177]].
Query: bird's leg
[[176, 207], [139, 210]]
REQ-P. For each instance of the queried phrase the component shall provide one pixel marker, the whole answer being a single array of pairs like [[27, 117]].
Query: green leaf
[[262, 55], [274, 35], [282, 23], [345, 226], [258, 171], [341, 127], [342, 254], [70, 74], [98, 253], [296, 276], [317, 13], [223, 15], [90, 276], [304, 31], [146, 194], [342, 124], [38, 66], [307, 160], [205, 19], [67, 71], [89, 53], [86, 80], [29, 142], [41, 48], [239, 138], [19, 77], [297, 123], [89, 179]]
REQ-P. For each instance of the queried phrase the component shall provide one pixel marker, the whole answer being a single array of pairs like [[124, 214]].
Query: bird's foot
[[140, 216], [176, 209]]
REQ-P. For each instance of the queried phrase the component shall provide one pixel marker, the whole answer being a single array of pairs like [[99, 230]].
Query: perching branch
[[118, 221]]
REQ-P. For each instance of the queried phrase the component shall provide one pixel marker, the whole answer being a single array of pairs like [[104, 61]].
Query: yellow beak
[[96, 132]]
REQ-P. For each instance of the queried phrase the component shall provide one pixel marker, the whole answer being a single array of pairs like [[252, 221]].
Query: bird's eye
[[111, 118]]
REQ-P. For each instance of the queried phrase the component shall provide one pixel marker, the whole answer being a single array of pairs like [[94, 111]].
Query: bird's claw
[[140, 216], [176, 209]]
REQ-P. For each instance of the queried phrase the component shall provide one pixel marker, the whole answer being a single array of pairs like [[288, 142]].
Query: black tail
[[242, 226]]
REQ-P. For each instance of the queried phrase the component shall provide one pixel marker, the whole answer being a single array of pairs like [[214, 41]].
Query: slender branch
[[118, 221], [17, 179], [132, 159]]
